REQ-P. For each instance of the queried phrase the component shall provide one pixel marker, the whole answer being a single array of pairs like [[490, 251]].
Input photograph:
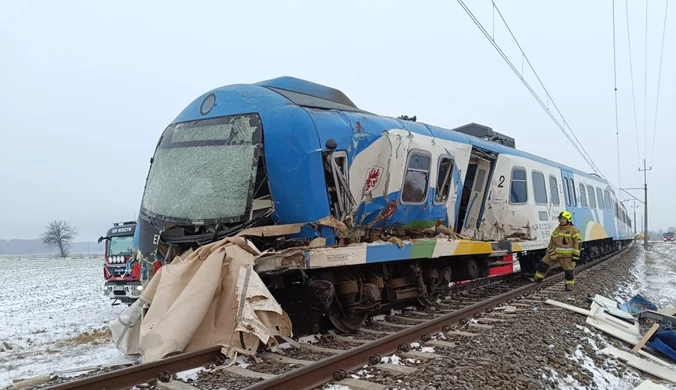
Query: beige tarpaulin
[[208, 297]]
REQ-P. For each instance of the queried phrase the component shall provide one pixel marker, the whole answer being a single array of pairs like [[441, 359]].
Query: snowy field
[[53, 317]]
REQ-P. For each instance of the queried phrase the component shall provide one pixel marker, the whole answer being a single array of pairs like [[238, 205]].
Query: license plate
[[119, 288]]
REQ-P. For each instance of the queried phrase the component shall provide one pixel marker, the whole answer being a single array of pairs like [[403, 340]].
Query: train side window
[[554, 190], [417, 177], [572, 186], [599, 199], [539, 188], [592, 197], [606, 198], [518, 193], [444, 177], [583, 196], [566, 191]]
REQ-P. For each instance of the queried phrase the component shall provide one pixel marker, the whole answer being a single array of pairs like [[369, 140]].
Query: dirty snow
[[335, 387], [47, 305], [378, 318], [242, 361], [361, 374], [190, 374], [311, 339], [653, 274], [392, 359]]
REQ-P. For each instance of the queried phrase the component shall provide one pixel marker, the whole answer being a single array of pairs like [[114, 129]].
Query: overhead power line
[[645, 87], [633, 94], [617, 123], [561, 124], [659, 80]]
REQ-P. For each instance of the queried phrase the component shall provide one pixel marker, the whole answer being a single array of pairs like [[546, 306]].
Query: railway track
[[472, 307]]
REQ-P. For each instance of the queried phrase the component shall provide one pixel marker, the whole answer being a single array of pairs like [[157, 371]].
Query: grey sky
[[86, 88]]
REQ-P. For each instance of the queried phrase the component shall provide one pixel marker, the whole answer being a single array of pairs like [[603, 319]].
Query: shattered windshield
[[120, 246], [203, 170]]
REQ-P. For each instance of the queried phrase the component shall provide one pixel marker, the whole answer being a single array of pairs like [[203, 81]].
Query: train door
[[474, 192], [569, 192]]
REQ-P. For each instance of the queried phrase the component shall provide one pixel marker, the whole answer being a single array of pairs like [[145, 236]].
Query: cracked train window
[[417, 177]]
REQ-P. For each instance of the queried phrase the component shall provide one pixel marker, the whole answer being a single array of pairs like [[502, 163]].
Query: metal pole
[[645, 204], [634, 218]]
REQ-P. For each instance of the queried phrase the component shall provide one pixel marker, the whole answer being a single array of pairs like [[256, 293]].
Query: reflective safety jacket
[[565, 242]]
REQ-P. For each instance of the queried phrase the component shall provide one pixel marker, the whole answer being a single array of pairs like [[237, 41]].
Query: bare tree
[[671, 229], [59, 235]]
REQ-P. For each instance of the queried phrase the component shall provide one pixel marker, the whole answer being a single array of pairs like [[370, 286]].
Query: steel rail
[[315, 374], [337, 366], [160, 369]]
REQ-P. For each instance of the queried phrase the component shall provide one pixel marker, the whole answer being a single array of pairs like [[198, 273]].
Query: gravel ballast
[[542, 348]]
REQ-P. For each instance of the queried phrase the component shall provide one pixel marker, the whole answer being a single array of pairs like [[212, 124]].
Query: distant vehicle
[[120, 269], [668, 236]]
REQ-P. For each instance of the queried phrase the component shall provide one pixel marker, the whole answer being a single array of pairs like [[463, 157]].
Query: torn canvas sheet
[[126, 328], [204, 299]]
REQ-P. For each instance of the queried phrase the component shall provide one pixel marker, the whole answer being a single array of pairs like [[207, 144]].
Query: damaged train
[[354, 211]]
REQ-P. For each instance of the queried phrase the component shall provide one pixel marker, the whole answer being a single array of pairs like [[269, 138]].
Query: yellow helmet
[[568, 216]]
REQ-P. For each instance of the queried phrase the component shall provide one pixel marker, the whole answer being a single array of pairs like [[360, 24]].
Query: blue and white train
[[368, 210]]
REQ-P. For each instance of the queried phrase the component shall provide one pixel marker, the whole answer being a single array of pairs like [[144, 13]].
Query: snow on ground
[[654, 277], [660, 275], [54, 317]]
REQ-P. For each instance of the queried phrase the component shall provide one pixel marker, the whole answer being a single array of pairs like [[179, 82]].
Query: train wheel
[[349, 324], [466, 270], [428, 300]]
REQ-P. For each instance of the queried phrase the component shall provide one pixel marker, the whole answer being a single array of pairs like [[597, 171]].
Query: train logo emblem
[[372, 179]]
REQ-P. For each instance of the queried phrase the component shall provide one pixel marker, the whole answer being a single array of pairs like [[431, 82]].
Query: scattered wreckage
[[625, 321]]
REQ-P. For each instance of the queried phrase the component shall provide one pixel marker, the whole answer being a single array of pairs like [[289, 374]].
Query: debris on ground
[[623, 321]]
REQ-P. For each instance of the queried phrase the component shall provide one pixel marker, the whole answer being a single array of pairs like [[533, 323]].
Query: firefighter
[[564, 248]]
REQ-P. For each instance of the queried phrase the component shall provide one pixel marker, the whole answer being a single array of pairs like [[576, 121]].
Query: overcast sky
[[86, 88]]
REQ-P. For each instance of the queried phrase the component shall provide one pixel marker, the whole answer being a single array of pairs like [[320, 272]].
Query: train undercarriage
[[590, 251], [343, 297]]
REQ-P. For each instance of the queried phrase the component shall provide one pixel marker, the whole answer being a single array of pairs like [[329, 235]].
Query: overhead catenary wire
[[549, 98], [633, 93], [659, 80], [645, 86], [617, 123], [563, 124]]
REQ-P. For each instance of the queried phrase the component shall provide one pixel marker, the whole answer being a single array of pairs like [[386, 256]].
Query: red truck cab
[[121, 271]]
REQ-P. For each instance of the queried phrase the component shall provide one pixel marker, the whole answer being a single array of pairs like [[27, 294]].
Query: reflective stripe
[[564, 250], [576, 252], [577, 236], [570, 282]]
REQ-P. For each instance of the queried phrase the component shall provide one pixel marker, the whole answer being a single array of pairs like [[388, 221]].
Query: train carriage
[[368, 210]]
